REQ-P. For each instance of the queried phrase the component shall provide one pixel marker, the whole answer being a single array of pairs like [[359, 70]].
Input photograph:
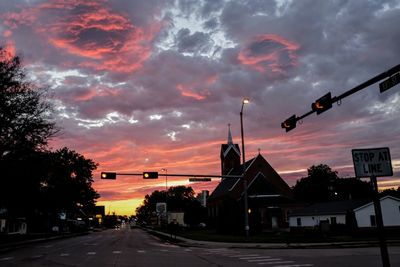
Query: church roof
[[274, 183], [224, 187]]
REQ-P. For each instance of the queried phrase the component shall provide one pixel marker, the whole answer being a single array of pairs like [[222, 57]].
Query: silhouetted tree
[[180, 198], [316, 186], [25, 115], [390, 192], [68, 183], [323, 184], [36, 182]]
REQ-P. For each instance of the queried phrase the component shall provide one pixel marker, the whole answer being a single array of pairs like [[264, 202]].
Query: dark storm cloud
[[197, 42], [211, 24]]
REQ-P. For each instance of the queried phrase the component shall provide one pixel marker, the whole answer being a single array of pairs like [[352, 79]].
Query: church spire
[[230, 141]]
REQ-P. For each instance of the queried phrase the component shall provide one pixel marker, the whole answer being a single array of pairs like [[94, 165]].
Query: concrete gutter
[[181, 241]]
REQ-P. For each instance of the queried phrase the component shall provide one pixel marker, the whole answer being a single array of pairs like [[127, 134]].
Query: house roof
[[371, 203], [327, 208]]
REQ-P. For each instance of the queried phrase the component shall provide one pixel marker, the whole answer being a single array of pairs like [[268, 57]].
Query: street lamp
[[166, 194], [245, 100]]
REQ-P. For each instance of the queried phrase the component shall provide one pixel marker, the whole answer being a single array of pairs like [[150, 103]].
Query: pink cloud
[[103, 39], [190, 90], [269, 53]]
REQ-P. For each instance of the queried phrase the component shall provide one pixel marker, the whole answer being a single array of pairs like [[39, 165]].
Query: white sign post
[[372, 163]]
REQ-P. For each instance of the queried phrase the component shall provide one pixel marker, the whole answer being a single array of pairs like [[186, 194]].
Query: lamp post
[[246, 206], [166, 194]]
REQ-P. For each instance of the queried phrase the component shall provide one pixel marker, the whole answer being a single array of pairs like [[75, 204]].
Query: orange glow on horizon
[[121, 207]]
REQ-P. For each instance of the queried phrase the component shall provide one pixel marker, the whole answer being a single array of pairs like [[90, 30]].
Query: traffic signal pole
[[359, 87], [371, 81], [186, 175]]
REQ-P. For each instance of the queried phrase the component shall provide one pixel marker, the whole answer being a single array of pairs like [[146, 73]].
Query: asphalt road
[[134, 247]]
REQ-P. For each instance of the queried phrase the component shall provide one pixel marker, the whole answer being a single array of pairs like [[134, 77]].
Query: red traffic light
[[322, 104], [150, 175], [289, 124], [108, 175]]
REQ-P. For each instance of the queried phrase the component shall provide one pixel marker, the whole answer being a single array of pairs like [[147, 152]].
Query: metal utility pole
[[246, 206], [379, 224]]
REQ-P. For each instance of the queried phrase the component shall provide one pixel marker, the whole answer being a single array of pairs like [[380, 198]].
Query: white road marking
[[45, 246], [64, 254], [164, 250], [248, 255], [295, 265], [188, 249], [141, 251], [37, 256], [275, 262], [259, 260], [117, 252], [90, 244], [91, 253], [255, 257], [6, 259]]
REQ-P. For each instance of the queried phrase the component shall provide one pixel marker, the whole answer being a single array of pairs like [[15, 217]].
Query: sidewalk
[[181, 241]]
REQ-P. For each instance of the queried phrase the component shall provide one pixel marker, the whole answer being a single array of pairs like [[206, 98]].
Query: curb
[[185, 242]]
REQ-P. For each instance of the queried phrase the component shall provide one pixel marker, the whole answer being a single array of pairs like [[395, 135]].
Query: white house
[[332, 212], [335, 213], [365, 214]]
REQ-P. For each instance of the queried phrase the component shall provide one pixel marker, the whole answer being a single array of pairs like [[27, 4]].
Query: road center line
[[64, 254], [117, 252], [91, 253], [6, 259]]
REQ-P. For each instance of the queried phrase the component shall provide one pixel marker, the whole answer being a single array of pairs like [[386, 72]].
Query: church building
[[269, 196]]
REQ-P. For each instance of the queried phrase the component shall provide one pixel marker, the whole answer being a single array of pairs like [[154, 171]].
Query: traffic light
[[108, 175], [289, 124], [150, 175], [322, 104]]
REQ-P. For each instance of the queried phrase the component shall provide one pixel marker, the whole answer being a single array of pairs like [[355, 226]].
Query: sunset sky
[[146, 85]]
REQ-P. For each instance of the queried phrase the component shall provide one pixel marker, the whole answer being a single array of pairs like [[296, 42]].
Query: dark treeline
[[322, 184], [36, 184], [179, 199]]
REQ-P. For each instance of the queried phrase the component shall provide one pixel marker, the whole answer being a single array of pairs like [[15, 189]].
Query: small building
[[365, 214], [176, 217], [333, 212], [12, 225], [337, 212]]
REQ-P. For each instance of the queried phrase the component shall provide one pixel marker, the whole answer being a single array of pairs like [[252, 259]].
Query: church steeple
[[230, 154], [230, 141]]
